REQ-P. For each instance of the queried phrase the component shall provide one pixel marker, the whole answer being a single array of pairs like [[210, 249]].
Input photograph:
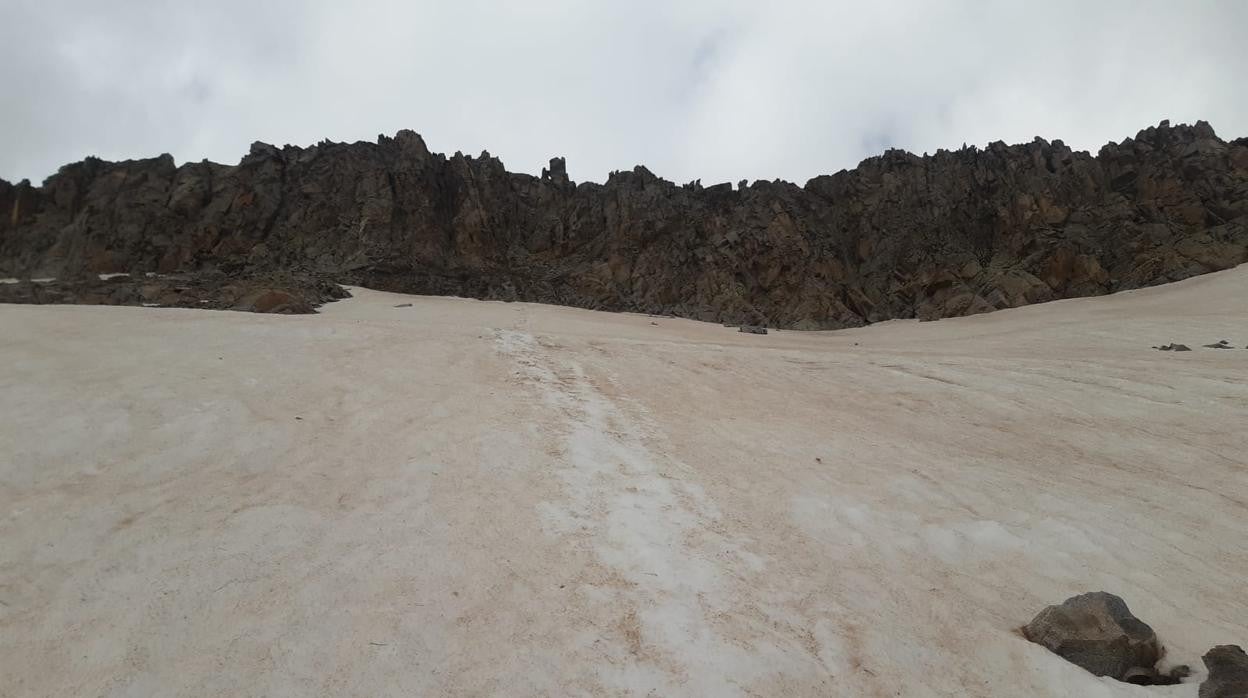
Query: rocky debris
[[753, 329], [1173, 347], [900, 236], [285, 294], [1141, 676], [1228, 673], [403, 305], [1097, 632], [1220, 344]]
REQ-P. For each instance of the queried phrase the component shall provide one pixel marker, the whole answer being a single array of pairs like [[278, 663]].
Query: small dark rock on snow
[[1173, 347], [753, 329], [1228, 673], [1220, 344]]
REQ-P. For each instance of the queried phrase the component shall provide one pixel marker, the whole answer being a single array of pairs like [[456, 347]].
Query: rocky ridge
[[900, 236]]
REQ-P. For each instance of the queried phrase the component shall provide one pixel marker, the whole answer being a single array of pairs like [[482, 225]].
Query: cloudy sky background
[[719, 91]]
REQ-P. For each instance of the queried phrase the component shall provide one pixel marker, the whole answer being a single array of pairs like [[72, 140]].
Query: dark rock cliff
[[899, 236]]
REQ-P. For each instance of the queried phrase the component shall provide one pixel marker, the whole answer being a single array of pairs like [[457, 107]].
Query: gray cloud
[[717, 90]]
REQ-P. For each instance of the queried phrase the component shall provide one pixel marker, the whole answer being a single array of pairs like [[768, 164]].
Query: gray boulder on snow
[[1228, 673], [1098, 632]]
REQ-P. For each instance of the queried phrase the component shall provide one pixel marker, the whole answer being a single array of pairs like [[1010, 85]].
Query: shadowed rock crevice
[[900, 236]]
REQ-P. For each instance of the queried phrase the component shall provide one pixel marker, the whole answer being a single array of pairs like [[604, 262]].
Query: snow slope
[[471, 498]]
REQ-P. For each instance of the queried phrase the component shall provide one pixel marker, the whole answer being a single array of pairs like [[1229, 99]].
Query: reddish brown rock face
[[271, 301], [899, 236]]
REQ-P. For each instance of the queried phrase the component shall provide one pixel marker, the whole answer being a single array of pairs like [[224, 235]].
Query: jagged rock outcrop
[[899, 236]]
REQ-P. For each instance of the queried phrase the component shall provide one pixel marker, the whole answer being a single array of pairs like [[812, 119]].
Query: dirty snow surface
[[471, 498]]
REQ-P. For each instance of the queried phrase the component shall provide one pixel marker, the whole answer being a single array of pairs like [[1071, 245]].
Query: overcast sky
[[719, 91]]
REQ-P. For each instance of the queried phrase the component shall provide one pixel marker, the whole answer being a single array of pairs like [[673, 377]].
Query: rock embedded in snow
[[1173, 347], [753, 329], [1098, 632], [1228, 673], [1220, 344]]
